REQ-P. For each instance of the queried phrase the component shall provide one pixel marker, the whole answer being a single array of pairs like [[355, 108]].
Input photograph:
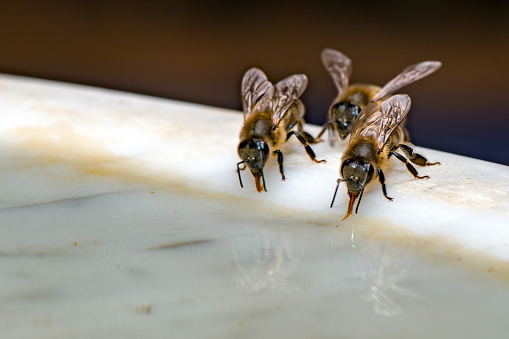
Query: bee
[[272, 114], [376, 136], [351, 99]]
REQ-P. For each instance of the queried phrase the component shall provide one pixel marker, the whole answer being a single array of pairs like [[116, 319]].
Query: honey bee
[[271, 114], [351, 99], [376, 135]]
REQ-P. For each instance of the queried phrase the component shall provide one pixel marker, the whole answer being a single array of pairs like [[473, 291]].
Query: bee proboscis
[[272, 114], [351, 99], [376, 135]]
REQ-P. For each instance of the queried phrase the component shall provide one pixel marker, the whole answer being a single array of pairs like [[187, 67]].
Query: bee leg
[[304, 143], [336, 191], [358, 202], [330, 127], [306, 135], [280, 162], [241, 169], [309, 138], [409, 166], [324, 128], [292, 125], [413, 156], [381, 177], [263, 180]]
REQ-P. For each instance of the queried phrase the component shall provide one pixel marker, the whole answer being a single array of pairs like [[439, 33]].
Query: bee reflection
[[373, 269], [266, 259]]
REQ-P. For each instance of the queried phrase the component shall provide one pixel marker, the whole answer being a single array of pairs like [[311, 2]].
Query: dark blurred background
[[198, 52]]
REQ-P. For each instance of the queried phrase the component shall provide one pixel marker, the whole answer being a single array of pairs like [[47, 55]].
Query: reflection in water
[[266, 257], [373, 269], [273, 258]]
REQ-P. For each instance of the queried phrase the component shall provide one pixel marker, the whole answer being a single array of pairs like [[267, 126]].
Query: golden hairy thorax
[[363, 150], [257, 126], [260, 125], [359, 94]]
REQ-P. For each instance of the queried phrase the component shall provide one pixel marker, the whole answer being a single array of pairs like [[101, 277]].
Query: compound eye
[[338, 111], [243, 144], [353, 111], [345, 164], [265, 151], [371, 171]]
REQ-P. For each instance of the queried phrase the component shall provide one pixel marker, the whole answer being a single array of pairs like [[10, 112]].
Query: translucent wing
[[380, 120], [332, 133], [366, 123], [339, 67], [254, 86], [286, 92], [410, 74]]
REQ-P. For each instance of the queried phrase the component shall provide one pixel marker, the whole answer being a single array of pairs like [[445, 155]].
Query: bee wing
[[380, 120], [339, 67], [410, 74], [254, 86], [286, 92]]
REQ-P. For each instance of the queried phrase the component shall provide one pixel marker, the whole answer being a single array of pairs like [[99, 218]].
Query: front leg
[[241, 169], [322, 131], [280, 162], [381, 177]]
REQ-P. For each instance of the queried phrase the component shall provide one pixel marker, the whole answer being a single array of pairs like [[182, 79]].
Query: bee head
[[254, 153], [344, 115], [357, 175]]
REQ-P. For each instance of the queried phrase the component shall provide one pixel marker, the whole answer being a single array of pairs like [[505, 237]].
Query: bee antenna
[[358, 202], [263, 179], [238, 171], [336, 191]]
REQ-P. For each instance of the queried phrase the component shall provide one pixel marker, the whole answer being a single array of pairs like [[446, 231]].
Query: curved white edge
[[465, 199]]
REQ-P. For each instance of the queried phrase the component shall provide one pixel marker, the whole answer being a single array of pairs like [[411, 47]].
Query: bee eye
[[353, 111], [371, 170], [264, 148], [243, 144], [338, 109]]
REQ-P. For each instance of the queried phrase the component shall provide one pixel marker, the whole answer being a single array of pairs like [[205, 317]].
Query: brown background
[[198, 52]]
